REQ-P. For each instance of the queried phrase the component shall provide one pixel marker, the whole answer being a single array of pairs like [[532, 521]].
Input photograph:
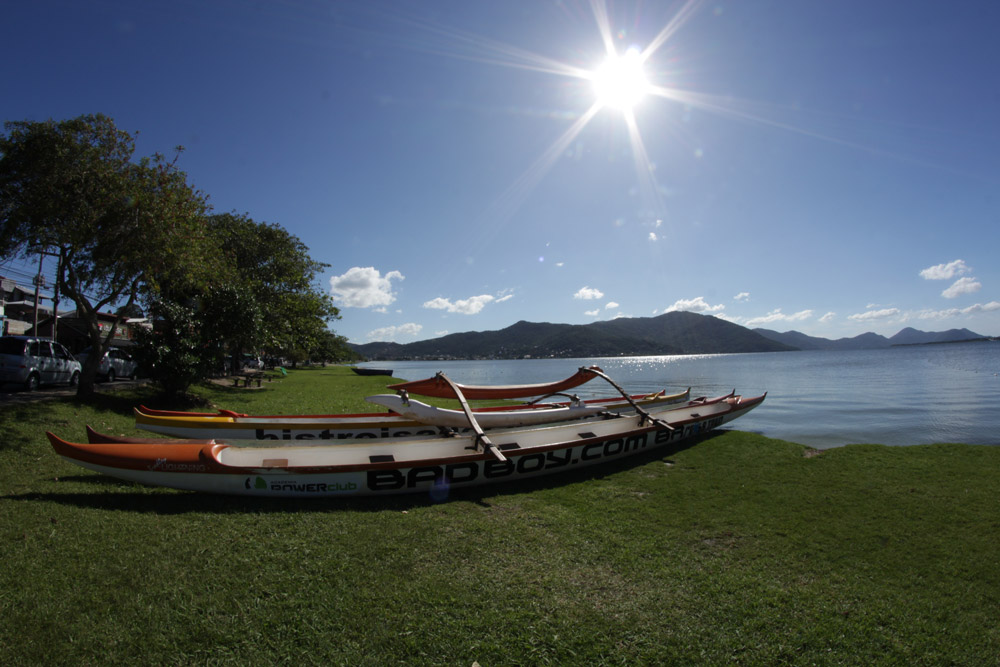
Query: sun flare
[[620, 82]]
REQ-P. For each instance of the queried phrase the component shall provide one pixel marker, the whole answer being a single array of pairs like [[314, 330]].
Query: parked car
[[252, 363], [36, 361], [116, 363]]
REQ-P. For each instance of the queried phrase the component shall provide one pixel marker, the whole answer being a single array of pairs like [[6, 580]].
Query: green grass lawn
[[737, 549]]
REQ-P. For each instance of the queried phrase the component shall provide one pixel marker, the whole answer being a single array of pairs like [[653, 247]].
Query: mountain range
[[670, 333], [869, 341]]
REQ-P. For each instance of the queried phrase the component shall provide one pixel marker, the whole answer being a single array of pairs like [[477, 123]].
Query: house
[[17, 312], [72, 331], [18, 305]]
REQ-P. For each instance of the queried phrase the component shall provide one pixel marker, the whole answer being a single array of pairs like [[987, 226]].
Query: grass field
[[737, 549]]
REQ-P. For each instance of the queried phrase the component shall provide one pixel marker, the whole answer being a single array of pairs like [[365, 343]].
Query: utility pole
[[55, 301], [38, 282]]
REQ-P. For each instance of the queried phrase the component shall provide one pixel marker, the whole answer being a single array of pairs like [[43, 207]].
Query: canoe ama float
[[373, 468], [237, 426], [440, 387]]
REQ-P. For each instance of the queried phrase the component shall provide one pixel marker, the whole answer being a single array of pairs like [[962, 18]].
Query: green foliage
[[175, 353], [70, 187], [260, 297], [61, 182], [333, 347], [125, 230], [229, 321], [271, 277], [737, 549]]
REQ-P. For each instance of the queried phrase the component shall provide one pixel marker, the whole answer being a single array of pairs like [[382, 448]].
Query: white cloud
[[883, 314], [587, 293], [695, 305], [363, 287], [611, 305], [777, 316], [962, 286], [653, 236], [955, 312], [508, 297], [592, 313], [742, 296], [469, 306], [390, 334], [945, 271], [827, 318]]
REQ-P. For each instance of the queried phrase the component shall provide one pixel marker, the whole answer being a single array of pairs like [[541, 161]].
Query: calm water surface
[[900, 396]]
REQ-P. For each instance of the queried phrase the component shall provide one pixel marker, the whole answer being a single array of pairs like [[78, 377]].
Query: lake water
[[899, 396]]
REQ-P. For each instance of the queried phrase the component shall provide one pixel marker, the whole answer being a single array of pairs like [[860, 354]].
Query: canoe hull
[[234, 426], [372, 371], [445, 464]]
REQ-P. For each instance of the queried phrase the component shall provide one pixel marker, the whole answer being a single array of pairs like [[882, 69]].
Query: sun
[[620, 82]]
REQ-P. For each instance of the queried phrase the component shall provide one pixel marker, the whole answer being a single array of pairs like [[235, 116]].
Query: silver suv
[[35, 361], [116, 363]]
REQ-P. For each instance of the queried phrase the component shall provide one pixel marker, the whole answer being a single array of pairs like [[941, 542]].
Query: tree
[[272, 271], [173, 351], [118, 227], [261, 297], [333, 347]]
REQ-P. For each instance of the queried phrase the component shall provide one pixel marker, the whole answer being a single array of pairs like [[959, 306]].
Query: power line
[[24, 271]]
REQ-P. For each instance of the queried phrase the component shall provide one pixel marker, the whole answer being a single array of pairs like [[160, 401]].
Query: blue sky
[[828, 167]]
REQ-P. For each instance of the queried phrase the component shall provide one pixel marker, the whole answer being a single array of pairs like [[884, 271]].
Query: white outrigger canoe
[[374, 468], [403, 424]]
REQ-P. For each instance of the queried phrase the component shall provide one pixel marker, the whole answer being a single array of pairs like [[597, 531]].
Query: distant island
[[670, 333], [871, 341]]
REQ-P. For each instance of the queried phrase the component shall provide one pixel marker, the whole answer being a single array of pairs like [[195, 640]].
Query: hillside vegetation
[[670, 333]]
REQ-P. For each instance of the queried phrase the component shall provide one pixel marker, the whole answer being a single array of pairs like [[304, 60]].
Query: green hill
[[670, 333]]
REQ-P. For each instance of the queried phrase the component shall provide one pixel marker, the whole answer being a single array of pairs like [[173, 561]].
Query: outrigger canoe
[[441, 387], [238, 426], [373, 468]]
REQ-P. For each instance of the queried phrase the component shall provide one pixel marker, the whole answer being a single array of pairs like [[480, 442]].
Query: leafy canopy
[[70, 188]]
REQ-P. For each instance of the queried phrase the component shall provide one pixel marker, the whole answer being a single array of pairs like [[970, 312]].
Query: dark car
[[33, 362]]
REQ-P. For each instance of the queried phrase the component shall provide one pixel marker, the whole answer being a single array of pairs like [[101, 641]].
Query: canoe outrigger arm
[[643, 415], [572, 398], [481, 439]]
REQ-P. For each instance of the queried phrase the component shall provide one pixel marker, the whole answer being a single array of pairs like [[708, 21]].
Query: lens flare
[[620, 83]]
